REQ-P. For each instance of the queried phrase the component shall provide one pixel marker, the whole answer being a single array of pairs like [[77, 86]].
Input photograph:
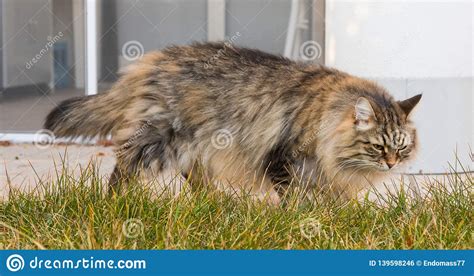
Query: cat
[[254, 121]]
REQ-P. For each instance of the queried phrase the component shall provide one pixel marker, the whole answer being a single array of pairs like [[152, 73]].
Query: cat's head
[[380, 135]]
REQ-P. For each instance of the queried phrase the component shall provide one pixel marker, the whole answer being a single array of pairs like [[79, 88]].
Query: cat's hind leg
[[234, 176], [142, 151]]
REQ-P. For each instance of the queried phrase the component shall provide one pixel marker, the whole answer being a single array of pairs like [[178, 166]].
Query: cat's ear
[[408, 104], [364, 114]]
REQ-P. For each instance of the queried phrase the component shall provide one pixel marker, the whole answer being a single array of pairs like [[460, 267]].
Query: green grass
[[77, 214]]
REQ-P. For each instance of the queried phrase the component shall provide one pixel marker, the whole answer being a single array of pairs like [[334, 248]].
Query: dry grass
[[77, 213]]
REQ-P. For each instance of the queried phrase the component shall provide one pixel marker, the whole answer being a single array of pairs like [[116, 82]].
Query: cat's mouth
[[378, 166], [384, 167]]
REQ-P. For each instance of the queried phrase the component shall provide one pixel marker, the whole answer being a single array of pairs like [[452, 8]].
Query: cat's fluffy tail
[[87, 116]]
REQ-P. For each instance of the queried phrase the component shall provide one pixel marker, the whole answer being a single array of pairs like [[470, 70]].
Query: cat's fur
[[279, 120]]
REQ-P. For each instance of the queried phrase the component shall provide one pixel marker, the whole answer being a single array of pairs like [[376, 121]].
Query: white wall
[[413, 47], [401, 39]]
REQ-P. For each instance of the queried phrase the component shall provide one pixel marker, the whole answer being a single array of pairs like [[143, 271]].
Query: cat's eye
[[402, 148], [378, 147]]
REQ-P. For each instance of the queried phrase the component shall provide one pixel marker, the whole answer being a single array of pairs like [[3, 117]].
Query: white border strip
[[291, 31], [18, 138], [215, 20], [91, 47]]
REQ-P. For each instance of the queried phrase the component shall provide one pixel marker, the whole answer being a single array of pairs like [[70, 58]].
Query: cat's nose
[[390, 164]]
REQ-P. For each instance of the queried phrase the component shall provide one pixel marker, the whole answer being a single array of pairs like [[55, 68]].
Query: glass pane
[[130, 28], [42, 59], [127, 29], [263, 24]]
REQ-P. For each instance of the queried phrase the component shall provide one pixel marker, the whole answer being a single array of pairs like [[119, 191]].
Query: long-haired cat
[[254, 121]]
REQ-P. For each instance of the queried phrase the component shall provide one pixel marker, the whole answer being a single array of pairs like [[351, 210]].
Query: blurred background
[[52, 50]]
